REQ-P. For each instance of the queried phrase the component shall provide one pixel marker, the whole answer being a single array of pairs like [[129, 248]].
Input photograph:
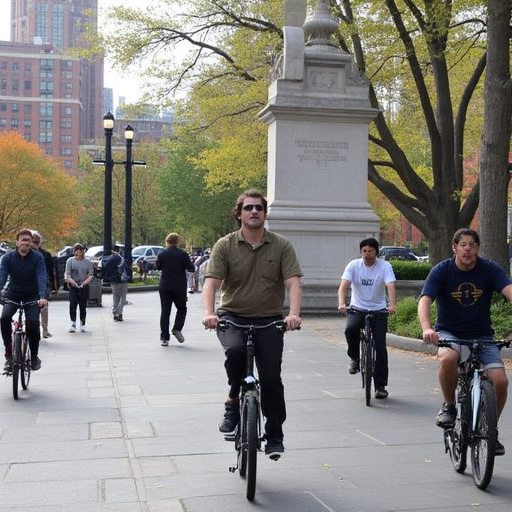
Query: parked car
[[65, 252], [94, 253], [397, 253], [148, 253]]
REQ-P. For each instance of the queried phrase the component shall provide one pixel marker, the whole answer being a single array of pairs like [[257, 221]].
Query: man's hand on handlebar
[[42, 303], [293, 322], [210, 321], [430, 337]]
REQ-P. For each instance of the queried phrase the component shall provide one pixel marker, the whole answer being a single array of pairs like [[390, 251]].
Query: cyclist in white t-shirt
[[369, 278]]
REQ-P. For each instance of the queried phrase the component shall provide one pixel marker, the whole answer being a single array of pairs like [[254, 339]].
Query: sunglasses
[[251, 207]]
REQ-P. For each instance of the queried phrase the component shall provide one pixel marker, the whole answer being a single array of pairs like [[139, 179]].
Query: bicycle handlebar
[[470, 343], [5, 300], [383, 311], [225, 323]]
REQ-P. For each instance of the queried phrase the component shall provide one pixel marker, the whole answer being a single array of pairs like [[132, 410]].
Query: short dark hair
[[78, 247], [23, 232], [465, 232], [116, 248], [371, 242], [237, 210]]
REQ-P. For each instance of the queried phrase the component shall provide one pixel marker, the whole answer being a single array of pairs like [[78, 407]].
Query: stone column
[[318, 113]]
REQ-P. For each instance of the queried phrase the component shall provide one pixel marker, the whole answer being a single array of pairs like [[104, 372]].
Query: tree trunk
[[494, 160]]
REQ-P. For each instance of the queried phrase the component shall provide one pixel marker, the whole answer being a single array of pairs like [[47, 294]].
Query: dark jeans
[[268, 356], [78, 298], [31, 325], [167, 299], [355, 322]]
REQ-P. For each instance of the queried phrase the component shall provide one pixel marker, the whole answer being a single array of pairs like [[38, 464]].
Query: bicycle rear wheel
[[252, 445], [483, 446], [25, 361], [17, 363]]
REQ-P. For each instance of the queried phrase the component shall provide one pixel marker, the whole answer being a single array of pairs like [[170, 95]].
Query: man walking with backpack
[[114, 271]]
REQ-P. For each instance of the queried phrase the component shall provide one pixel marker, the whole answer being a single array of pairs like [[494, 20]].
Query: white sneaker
[[72, 328], [82, 328]]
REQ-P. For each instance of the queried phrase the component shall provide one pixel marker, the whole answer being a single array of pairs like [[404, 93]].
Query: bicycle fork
[[476, 392], [251, 391]]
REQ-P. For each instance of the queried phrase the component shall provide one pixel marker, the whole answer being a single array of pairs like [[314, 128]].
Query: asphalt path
[[115, 422]]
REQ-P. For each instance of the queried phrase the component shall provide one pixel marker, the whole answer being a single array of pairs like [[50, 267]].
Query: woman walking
[[79, 273]]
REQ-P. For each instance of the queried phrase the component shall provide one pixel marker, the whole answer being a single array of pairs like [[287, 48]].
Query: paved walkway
[[115, 422]]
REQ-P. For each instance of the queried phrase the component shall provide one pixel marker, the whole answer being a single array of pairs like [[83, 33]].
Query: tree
[[189, 207], [424, 60], [494, 163], [35, 192]]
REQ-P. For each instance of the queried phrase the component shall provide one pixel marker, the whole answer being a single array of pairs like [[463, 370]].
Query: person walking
[[114, 271], [369, 278], [51, 279], [174, 264], [79, 273], [463, 287], [24, 268], [253, 267]]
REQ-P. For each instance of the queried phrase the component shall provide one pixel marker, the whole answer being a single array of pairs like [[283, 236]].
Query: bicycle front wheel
[[252, 445], [241, 446], [458, 436], [369, 364], [25, 361], [17, 363], [483, 446]]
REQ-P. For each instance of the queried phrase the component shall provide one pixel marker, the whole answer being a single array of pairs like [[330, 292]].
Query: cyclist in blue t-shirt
[[462, 288]]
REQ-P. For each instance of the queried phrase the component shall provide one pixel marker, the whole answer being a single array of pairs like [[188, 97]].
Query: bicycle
[[367, 350], [248, 436], [477, 417], [20, 349]]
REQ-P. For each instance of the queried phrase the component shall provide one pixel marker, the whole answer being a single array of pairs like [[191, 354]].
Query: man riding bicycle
[[26, 271], [253, 266], [462, 287]]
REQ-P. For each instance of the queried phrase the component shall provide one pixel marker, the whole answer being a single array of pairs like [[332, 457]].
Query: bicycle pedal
[[232, 469], [230, 437]]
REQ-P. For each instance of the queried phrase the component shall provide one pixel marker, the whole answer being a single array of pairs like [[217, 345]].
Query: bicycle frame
[[367, 348], [476, 426], [248, 436]]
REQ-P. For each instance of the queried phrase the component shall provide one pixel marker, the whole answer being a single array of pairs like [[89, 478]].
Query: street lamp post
[[128, 135], [108, 125]]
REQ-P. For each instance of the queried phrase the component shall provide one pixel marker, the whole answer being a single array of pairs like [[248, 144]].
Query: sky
[[127, 86]]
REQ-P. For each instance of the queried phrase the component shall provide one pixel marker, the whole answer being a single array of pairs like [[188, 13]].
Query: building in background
[[47, 94]]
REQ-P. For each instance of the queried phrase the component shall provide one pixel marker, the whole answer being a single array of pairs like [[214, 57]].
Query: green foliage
[[189, 208], [501, 315], [405, 322], [410, 270]]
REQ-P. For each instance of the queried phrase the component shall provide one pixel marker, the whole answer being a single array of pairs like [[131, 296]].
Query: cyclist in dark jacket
[[26, 271]]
